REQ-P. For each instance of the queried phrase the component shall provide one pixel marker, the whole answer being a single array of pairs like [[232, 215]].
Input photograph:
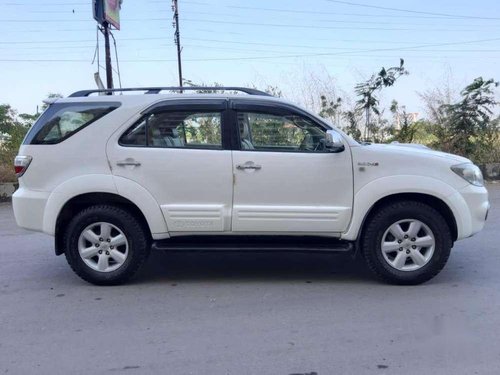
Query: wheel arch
[[435, 192], [82, 201], [428, 199]]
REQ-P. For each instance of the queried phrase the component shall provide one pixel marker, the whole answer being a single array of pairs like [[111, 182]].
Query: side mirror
[[334, 142]]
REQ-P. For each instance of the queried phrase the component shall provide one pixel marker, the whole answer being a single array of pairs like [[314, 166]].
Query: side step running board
[[253, 243]]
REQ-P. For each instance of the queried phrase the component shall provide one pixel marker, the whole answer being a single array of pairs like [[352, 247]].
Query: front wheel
[[406, 242], [105, 245]]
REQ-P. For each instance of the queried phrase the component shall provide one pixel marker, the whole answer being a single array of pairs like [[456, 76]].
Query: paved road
[[248, 314]]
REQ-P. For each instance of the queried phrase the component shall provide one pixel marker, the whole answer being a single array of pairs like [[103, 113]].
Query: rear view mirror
[[334, 141]]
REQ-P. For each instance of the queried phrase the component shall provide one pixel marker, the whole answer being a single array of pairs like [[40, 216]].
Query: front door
[[176, 152], [285, 179]]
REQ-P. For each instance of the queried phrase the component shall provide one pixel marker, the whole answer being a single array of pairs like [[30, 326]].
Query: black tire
[[138, 243], [389, 214]]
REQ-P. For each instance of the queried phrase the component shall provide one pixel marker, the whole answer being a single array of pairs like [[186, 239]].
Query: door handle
[[248, 165], [128, 161]]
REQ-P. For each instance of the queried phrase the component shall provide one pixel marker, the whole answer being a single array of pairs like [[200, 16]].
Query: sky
[[48, 46]]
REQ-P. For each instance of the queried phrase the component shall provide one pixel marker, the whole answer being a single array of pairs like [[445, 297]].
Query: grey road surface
[[248, 313]]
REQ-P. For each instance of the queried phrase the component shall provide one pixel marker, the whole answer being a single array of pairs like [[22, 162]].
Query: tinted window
[[267, 132], [61, 121], [176, 130], [135, 135]]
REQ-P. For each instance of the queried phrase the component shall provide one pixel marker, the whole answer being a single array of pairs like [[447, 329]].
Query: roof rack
[[157, 90]]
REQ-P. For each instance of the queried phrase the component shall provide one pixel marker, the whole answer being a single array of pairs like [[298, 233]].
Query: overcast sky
[[47, 46]]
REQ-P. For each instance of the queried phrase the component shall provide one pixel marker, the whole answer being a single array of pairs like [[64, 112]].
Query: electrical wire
[[316, 27], [411, 11], [371, 15], [96, 51], [117, 61]]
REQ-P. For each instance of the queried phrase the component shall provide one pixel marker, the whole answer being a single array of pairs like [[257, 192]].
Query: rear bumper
[[29, 208]]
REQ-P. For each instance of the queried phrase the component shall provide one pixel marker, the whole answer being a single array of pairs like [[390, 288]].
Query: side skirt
[[254, 243]]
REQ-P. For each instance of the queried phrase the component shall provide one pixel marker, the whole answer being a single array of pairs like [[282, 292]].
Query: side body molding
[[366, 196]]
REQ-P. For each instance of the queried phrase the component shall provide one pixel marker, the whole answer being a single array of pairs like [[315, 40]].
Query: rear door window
[[176, 130], [61, 120]]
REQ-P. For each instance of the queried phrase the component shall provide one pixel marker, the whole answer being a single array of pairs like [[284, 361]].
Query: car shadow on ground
[[252, 267]]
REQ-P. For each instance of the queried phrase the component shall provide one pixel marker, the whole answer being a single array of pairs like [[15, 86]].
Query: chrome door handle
[[248, 166], [128, 161]]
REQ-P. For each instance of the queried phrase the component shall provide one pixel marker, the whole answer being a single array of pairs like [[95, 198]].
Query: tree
[[331, 109], [368, 101], [488, 144], [190, 83], [468, 124], [14, 128], [352, 117], [403, 131], [273, 91]]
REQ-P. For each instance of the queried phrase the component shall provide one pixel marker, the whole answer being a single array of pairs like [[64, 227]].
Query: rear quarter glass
[[62, 120]]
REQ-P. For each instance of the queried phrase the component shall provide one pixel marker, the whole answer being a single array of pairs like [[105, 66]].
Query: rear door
[[176, 150], [285, 180]]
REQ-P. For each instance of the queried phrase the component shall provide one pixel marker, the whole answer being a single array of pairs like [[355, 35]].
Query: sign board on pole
[[107, 11], [112, 12]]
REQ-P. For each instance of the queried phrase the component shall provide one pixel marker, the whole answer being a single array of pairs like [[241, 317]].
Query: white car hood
[[417, 151]]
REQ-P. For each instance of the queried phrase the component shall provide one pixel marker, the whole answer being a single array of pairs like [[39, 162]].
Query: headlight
[[470, 173]]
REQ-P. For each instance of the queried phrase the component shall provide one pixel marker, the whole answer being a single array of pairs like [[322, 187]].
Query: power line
[[242, 59], [298, 26], [355, 51], [411, 11], [319, 47], [301, 11], [75, 41], [270, 57], [315, 26], [343, 21], [44, 4], [237, 42]]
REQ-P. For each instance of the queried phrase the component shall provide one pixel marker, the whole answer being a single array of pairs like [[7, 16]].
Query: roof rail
[[157, 90]]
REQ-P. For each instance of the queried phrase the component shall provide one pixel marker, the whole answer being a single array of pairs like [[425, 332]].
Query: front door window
[[281, 133]]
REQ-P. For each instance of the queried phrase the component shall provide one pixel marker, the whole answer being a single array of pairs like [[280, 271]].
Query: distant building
[[399, 118]]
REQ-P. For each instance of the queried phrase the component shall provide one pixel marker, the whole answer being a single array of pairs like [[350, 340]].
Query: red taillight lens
[[21, 163]]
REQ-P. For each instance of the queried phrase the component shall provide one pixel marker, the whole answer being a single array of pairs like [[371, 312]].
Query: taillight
[[21, 163]]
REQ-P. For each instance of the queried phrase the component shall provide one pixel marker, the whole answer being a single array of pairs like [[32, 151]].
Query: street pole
[[177, 39], [107, 50]]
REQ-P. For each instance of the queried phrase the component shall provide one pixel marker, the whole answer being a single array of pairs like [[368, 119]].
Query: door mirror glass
[[334, 141]]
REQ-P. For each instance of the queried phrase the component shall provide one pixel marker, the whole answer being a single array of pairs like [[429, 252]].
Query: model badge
[[368, 164]]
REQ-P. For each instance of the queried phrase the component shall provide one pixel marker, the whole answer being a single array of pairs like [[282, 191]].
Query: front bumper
[[474, 210]]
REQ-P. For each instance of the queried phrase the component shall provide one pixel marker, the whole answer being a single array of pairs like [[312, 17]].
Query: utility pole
[[177, 38], [107, 50]]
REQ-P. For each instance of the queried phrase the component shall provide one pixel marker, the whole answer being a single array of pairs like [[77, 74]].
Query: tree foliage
[[13, 128], [467, 124], [368, 101], [352, 128], [403, 130]]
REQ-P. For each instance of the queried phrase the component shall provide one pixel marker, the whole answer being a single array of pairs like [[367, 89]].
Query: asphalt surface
[[248, 313]]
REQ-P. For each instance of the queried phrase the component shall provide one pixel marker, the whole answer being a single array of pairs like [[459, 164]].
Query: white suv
[[112, 176]]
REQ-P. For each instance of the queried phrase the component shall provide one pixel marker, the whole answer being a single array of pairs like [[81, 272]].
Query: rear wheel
[[105, 245], [406, 242]]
